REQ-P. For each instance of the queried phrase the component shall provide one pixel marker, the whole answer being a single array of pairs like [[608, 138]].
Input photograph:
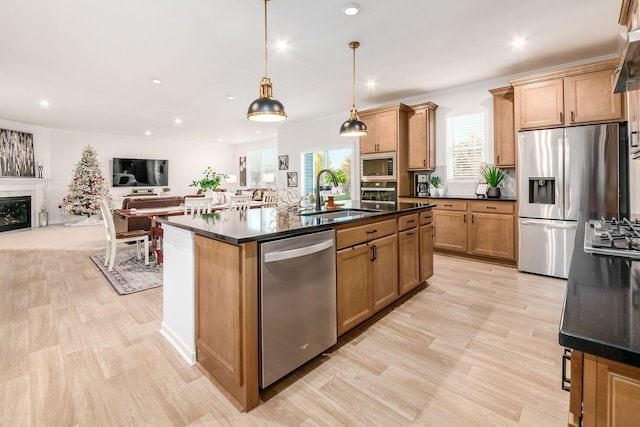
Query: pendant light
[[266, 108], [354, 126]]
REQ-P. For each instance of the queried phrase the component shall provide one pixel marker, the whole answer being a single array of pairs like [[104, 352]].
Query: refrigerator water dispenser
[[542, 191]]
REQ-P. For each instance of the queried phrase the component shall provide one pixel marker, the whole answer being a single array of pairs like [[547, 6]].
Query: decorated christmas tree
[[86, 188]]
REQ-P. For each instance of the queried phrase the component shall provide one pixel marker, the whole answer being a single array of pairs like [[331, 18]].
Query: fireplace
[[15, 213]]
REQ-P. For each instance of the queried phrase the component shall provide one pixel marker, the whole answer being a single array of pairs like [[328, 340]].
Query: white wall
[[59, 151]]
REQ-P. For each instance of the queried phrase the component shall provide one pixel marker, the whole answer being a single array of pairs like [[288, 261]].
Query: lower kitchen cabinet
[[366, 271], [409, 259], [478, 228], [426, 252], [604, 393]]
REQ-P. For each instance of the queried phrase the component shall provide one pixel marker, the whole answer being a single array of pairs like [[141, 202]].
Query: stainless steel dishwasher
[[297, 302]]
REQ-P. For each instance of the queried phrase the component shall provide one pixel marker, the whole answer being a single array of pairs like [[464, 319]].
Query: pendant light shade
[[354, 126], [266, 108]]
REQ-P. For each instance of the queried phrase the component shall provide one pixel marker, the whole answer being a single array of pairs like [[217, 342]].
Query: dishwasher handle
[[296, 253]]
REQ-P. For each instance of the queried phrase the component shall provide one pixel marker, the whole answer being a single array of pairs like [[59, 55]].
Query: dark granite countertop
[[270, 223], [601, 313], [453, 196]]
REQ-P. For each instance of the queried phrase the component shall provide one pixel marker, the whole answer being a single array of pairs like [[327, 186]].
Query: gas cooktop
[[613, 237]]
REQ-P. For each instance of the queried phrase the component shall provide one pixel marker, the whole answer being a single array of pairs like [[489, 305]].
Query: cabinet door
[[409, 260], [450, 230], [369, 142], [387, 131], [418, 140], [618, 394], [353, 289], [426, 252], [590, 98], [541, 104], [503, 128], [492, 235], [384, 271]]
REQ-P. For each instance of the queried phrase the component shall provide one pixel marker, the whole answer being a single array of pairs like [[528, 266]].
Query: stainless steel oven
[[378, 167], [378, 194]]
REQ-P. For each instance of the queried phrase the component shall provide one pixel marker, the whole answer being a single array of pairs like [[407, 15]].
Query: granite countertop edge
[[462, 197]]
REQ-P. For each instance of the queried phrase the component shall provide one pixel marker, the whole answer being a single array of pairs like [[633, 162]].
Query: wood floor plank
[[477, 347]]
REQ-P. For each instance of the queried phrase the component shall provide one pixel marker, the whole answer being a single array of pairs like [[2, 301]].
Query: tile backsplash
[[468, 188]]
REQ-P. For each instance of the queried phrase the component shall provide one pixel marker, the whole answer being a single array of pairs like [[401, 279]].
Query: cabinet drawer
[[450, 205], [406, 222], [426, 217], [492, 207], [363, 233]]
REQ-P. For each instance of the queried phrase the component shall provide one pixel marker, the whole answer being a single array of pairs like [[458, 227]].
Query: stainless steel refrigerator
[[562, 172]]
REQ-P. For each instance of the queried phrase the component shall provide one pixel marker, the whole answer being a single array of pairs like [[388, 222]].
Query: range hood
[[628, 77]]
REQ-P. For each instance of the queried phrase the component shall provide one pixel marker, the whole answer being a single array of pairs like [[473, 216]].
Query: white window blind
[[466, 144]]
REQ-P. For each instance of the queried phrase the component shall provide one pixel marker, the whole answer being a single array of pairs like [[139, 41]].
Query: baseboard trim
[[187, 353]]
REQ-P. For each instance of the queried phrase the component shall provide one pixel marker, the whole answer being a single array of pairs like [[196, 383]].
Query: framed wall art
[[17, 157], [243, 171], [283, 161], [292, 179]]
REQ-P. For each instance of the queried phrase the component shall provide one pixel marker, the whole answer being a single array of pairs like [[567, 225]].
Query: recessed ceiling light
[[258, 132], [220, 140], [44, 103], [177, 121], [156, 81], [518, 42], [282, 45], [351, 9], [147, 132], [371, 83], [231, 97]]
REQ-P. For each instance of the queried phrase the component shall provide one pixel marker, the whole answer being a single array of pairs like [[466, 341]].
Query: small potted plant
[[166, 190], [434, 180], [494, 176], [210, 181]]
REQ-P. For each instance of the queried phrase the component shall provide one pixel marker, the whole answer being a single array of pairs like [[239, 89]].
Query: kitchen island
[[601, 325], [211, 280]]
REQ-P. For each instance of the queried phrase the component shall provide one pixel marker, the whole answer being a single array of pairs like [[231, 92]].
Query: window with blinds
[[466, 145]]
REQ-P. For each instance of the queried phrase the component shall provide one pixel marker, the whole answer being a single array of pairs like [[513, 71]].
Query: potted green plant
[[166, 190], [494, 176], [210, 180], [435, 182]]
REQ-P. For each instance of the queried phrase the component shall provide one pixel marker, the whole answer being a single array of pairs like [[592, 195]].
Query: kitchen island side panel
[[227, 317]]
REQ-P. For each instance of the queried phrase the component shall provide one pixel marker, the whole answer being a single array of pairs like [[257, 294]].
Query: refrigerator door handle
[[548, 224]]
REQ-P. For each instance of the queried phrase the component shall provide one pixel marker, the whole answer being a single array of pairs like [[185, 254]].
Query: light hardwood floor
[[477, 347]]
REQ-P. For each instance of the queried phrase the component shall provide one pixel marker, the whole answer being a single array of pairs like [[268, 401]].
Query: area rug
[[129, 274]]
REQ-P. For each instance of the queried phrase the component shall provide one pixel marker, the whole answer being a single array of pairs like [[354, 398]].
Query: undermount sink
[[340, 213]]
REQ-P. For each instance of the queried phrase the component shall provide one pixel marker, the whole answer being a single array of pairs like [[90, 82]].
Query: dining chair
[[270, 198], [239, 203], [197, 205], [114, 238]]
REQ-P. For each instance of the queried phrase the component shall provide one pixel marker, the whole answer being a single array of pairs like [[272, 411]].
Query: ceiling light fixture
[[518, 42], [44, 103], [177, 121], [266, 108], [156, 81], [231, 97], [354, 126], [351, 9], [147, 132]]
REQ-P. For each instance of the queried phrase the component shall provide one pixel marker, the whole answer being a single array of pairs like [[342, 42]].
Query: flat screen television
[[140, 172]]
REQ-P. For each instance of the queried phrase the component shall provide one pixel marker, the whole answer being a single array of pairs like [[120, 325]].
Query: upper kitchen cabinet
[[630, 15], [422, 137], [574, 96], [387, 128], [504, 145]]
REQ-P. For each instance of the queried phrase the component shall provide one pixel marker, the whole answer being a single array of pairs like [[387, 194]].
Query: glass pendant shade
[[354, 126], [266, 108]]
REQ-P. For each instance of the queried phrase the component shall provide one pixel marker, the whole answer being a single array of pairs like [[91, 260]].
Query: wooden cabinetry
[[386, 128], [475, 228], [574, 96], [450, 224], [426, 245], [422, 137], [408, 253], [492, 230], [504, 146], [226, 323], [630, 14], [366, 271], [604, 393]]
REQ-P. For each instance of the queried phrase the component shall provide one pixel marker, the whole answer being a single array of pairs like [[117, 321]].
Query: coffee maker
[[421, 184]]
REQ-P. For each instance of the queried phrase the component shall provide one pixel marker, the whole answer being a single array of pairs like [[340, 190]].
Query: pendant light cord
[[266, 70], [354, 77]]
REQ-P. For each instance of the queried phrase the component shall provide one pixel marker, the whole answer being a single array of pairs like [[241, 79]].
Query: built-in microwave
[[378, 167]]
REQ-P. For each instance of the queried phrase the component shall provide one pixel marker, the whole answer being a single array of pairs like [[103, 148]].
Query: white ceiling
[[94, 60]]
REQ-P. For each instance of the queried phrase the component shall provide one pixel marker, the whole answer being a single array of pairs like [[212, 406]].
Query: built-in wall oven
[[378, 167], [378, 194]]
